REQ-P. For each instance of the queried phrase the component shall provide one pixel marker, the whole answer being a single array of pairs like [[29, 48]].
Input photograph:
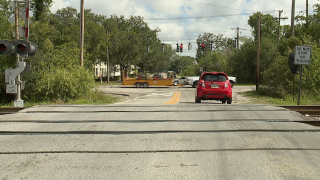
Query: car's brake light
[[226, 85], [202, 84]]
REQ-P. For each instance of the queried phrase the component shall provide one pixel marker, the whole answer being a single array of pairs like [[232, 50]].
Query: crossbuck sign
[[302, 55]]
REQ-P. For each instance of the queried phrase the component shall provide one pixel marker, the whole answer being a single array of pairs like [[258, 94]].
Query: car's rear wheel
[[175, 83], [145, 85], [229, 101], [197, 100]]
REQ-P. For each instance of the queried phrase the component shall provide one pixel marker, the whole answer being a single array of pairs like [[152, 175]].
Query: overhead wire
[[217, 5], [202, 17]]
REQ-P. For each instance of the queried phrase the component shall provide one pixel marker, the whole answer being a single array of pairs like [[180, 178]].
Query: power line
[[217, 5], [202, 17]]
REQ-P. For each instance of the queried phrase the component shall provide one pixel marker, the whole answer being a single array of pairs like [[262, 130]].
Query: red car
[[214, 86]]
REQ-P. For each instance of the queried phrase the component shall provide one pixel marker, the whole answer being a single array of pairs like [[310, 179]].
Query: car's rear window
[[214, 77]]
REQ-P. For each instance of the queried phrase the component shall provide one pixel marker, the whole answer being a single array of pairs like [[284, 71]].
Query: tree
[[41, 8], [268, 25]]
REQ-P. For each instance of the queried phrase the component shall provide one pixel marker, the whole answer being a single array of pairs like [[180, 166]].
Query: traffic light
[[189, 46], [292, 66], [210, 46], [21, 47], [181, 47], [148, 48], [235, 42], [202, 46], [162, 47], [178, 50]]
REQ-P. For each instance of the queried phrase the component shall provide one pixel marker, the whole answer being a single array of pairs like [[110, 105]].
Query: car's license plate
[[214, 85]]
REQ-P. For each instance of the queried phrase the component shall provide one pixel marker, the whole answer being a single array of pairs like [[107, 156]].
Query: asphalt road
[[159, 133]]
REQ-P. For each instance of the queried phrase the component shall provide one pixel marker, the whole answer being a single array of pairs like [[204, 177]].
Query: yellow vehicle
[[144, 81]]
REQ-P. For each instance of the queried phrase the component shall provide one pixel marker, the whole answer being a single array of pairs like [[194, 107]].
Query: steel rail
[[312, 111], [10, 110]]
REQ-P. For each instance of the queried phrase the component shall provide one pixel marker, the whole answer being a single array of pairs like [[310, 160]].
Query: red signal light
[[3, 47], [22, 47]]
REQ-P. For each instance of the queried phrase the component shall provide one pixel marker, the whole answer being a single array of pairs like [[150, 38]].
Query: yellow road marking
[[177, 99], [174, 99]]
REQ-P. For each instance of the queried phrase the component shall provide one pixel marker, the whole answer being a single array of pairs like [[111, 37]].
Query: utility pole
[[258, 53], [292, 17], [279, 27], [237, 37], [238, 30], [307, 8], [108, 72], [81, 32]]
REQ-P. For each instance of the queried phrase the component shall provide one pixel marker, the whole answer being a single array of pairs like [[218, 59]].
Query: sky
[[183, 20]]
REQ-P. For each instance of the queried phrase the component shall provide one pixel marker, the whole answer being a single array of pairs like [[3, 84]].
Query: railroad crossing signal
[[21, 47]]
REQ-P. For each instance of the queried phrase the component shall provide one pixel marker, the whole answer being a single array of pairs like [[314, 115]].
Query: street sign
[[302, 55]]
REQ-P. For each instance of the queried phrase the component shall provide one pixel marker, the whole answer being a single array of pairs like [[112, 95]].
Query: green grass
[[262, 97], [95, 98]]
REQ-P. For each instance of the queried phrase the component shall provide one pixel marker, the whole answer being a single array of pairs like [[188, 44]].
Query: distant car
[[175, 82], [232, 80], [214, 86], [182, 80]]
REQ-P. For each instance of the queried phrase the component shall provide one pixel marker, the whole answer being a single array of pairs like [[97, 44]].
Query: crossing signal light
[[181, 47], [5, 47], [21, 47], [178, 50]]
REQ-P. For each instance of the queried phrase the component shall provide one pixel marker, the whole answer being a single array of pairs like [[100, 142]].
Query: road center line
[[174, 99], [177, 99]]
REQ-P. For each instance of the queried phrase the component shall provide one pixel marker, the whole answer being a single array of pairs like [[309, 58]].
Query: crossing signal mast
[[19, 48]]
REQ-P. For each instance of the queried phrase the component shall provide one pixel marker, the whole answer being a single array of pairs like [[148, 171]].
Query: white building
[[101, 69]]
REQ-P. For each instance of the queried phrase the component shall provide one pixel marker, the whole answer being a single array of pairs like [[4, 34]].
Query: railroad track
[[10, 110], [309, 111], [312, 111]]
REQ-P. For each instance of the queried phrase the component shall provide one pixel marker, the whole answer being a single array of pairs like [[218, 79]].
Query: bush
[[61, 84]]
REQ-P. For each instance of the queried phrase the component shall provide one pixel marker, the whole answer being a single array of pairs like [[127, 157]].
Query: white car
[[182, 80], [233, 80]]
